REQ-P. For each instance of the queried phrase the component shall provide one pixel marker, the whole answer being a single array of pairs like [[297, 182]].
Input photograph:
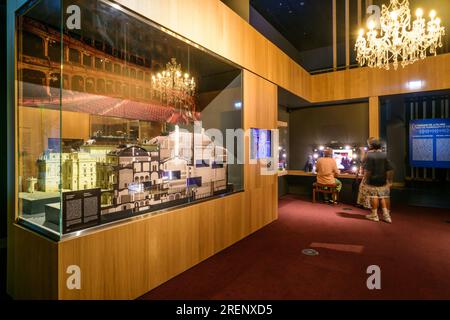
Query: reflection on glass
[[133, 120]]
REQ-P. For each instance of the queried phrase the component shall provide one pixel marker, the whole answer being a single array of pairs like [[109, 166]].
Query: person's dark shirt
[[377, 165]]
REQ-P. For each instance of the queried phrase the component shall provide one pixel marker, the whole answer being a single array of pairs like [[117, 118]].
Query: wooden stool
[[325, 188]]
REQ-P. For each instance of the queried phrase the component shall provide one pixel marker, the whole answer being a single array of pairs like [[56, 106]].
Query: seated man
[[326, 169]]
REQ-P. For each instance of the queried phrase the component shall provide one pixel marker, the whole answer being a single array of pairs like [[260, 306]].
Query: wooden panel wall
[[260, 97], [374, 117], [433, 73], [128, 260], [32, 265]]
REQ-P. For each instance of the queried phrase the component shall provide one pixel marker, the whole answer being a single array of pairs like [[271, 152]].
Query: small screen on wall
[[429, 143], [261, 144]]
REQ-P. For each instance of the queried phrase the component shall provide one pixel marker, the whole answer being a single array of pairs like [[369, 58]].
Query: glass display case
[[117, 117]]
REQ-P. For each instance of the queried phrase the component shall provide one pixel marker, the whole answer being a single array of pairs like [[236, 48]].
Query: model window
[[108, 66], [199, 163], [33, 83], [66, 82], [33, 45], [54, 84], [109, 87], [87, 60], [54, 51], [74, 55], [125, 71], [101, 86], [173, 175], [77, 83], [133, 73], [140, 75], [98, 63], [117, 68], [90, 87]]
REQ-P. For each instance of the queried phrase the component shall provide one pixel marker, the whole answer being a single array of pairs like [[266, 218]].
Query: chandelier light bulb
[[361, 32], [433, 14], [419, 13], [401, 40]]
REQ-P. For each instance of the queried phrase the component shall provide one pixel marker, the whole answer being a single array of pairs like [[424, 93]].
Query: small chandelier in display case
[[397, 41], [174, 87]]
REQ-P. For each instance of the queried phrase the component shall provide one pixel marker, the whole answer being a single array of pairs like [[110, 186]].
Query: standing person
[[363, 198], [378, 177], [327, 169]]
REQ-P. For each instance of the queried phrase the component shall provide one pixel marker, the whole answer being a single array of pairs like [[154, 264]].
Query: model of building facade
[[176, 167]]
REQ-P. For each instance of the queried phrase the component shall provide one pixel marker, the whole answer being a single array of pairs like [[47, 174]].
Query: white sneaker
[[387, 218], [373, 217]]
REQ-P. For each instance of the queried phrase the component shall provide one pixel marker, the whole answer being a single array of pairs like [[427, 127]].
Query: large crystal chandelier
[[398, 41], [173, 87]]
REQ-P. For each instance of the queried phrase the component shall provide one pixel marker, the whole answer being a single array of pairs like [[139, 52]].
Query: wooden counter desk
[[299, 182], [302, 173]]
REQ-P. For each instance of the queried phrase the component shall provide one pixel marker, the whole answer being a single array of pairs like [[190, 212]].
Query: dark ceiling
[[306, 24]]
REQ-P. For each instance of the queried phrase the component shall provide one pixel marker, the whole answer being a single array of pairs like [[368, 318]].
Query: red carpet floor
[[413, 254]]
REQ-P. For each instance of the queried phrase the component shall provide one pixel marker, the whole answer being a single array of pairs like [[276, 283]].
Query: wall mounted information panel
[[429, 143], [115, 115]]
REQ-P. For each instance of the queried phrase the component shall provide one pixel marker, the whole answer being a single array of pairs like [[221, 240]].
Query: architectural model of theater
[[135, 178]]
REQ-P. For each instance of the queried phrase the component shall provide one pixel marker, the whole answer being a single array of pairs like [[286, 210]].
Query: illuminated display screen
[[195, 181], [429, 143], [261, 144]]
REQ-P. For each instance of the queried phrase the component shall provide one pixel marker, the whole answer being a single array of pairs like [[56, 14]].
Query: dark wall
[[268, 31], [3, 118], [393, 130], [284, 116], [346, 124]]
